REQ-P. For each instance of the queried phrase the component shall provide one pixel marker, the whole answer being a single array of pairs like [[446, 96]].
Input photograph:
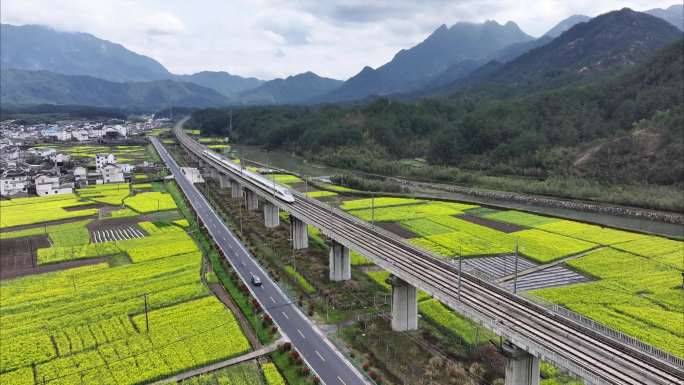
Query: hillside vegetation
[[564, 132]]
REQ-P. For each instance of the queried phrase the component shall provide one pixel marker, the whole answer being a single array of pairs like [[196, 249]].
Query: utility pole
[[460, 271], [292, 246], [147, 321], [373, 209], [515, 275], [240, 208]]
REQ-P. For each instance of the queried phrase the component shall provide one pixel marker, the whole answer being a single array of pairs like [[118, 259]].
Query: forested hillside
[[566, 131]]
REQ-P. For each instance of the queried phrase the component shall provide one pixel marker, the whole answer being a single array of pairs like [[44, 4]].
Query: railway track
[[595, 357]]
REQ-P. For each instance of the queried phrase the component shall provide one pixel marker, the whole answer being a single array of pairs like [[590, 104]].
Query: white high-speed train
[[277, 190]]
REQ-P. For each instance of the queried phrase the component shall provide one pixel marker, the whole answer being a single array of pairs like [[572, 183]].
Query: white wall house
[[80, 135], [13, 182], [80, 173], [43, 152], [102, 160], [127, 168], [112, 174], [60, 158], [50, 185]]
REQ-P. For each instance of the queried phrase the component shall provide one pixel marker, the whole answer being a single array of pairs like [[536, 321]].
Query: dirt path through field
[[219, 365]]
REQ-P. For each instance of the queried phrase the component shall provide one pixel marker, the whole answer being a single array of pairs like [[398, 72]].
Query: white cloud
[[276, 38]]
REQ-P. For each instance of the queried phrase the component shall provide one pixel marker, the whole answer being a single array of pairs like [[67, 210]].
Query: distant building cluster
[[76, 131], [27, 168]]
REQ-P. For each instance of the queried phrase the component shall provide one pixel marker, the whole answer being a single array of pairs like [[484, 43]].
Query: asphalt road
[[330, 366]]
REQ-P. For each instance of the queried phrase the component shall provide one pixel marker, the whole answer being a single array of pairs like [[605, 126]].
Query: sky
[[276, 38]]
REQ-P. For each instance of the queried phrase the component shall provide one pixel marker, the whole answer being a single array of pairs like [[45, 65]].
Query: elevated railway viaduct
[[532, 332]]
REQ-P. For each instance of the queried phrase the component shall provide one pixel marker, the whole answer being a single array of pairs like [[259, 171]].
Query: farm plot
[[379, 202], [638, 295], [659, 249], [285, 179], [150, 201], [518, 218], [116, 234], [19, 254], [496, 267], [587, 232], [545, 247], [25, 211], [124, 154], [552, 277], [91, 327], [161, 242], [465, 238], [409, 211], [321, 194], [112, 194]]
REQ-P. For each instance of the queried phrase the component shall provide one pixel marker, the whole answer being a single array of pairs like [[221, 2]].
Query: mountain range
[[35, 59], [610, 41], [45, 87], [417, 66]]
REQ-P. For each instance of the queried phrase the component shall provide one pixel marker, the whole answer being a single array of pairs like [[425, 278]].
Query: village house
[[13, 182], [112, 173], [50, 185], [60, 158], [102, 160], [80, 173]]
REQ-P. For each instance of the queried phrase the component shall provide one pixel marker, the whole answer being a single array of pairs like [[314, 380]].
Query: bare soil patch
[[500, 226], [40, 269], [88, 206], [113, 223], [301, 187], [18, 254], [397, 228]]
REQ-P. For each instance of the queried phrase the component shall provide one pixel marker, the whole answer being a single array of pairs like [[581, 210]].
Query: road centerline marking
[[285, 315], [320, 356], [301, 334]]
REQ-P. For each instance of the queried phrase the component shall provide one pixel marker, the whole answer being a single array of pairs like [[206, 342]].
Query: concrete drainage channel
[[116, 234]]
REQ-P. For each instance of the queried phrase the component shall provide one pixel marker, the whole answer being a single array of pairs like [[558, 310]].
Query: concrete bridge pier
[[224, 181], [252, 200], [210, 172], [522, 368], [300, 233], [404, 305], [340, 263], [271, 215], [235, 189]]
